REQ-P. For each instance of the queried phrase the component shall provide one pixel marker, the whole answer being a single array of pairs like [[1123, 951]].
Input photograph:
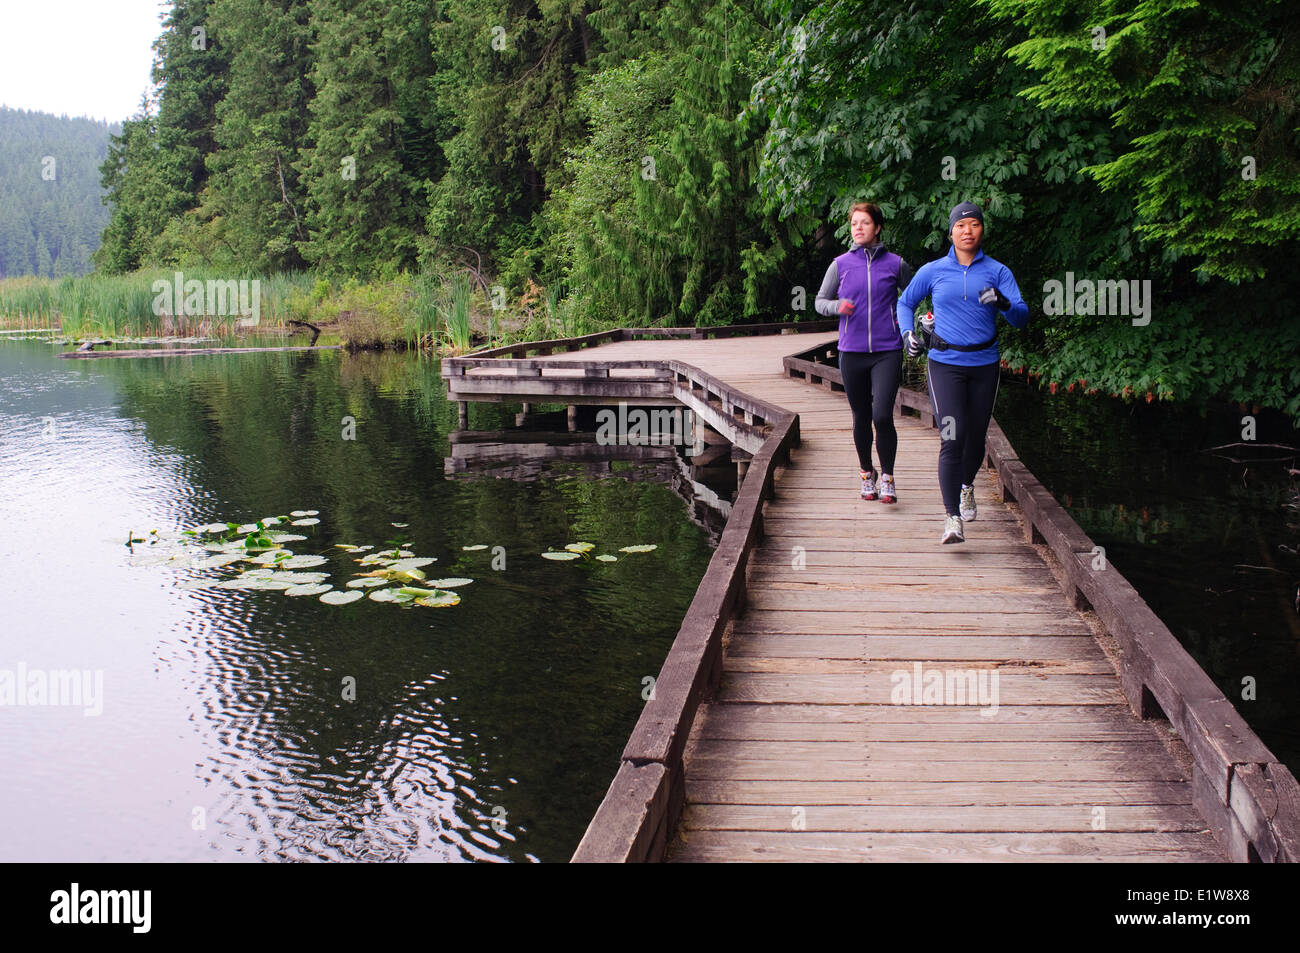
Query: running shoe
[[952, 530], [967, 507], [868, 484], [887, 494]]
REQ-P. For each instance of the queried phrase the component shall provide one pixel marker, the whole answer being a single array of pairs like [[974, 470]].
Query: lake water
[[249, 725]]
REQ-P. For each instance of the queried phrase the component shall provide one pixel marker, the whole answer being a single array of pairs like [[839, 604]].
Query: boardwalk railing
[[1249, 798]]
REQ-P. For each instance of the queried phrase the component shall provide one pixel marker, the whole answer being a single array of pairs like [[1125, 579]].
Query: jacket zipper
[[869, 347]]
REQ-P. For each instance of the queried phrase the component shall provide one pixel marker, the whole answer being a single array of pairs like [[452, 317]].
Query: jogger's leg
[[857, 388], [886, 373], [948, 397], [982, 393]]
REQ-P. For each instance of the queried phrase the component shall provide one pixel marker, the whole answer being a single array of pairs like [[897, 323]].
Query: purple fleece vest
[[871, 283]]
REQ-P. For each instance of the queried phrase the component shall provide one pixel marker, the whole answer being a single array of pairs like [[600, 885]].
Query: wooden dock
[[846, 688]]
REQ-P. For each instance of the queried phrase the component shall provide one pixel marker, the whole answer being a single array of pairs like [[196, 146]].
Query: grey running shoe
[[868, 484], [952, 530], [967, 507], [887, 494]]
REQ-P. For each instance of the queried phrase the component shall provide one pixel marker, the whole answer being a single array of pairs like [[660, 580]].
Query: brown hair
[[872, 209]]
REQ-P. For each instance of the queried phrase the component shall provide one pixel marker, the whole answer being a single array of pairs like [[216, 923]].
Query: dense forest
[[51, 215], [693, 161]]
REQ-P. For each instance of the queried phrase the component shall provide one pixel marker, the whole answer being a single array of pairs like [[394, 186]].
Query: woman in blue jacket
[[967, 289], [861, 286]]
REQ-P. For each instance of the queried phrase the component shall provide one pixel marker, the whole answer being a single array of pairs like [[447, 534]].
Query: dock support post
[[462, 415], [573, 418]]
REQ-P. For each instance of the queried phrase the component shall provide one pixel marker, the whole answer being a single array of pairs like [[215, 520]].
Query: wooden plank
[[945, 794], [873, 753], [1009, 649], [919, 622], [628, 819], [885, 668], [733, 769], [937, 715], [751, 729], [1012, 689], [1082, 818], [829, 598], [912, 847], [816, 556], [904, 530]]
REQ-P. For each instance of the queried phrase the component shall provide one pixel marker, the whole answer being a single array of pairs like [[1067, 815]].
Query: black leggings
[[963, 399], [871, 384]]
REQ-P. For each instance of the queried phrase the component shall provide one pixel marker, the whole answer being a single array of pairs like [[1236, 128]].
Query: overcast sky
[[79, 57]]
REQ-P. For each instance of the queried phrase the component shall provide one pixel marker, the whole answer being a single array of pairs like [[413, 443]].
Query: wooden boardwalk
[[806, 753]]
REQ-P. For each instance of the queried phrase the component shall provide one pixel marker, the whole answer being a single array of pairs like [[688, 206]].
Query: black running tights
[[871, 384], [963, 399]]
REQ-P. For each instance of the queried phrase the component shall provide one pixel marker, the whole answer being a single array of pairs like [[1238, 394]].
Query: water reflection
[[247, 725]]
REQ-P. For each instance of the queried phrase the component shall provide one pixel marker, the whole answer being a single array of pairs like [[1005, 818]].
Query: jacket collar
[[952, 253], [870, 251]]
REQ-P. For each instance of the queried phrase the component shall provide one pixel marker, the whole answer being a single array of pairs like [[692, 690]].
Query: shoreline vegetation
[[449, 314]]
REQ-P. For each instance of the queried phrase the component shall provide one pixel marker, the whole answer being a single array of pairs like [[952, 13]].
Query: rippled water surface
[[487, 730]]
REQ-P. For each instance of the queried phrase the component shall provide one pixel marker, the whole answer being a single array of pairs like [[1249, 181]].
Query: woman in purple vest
[[862, 287]]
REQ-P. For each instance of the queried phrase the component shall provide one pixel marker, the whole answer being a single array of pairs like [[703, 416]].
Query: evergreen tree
[[697, 227], [363, 210]]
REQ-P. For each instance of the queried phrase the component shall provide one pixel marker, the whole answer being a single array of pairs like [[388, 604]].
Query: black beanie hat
[[964, 210]]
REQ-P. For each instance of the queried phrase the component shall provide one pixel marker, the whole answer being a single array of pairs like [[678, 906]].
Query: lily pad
[[303, 562], [337, 597], [270, 520], [300, 578], [211, 528], [390, 595], [285, 537], [400, 525], [606, 558], [260, 573], [271, 557], [439, 599], [451, 583], [644, 548], [476, 546], [258, 582], [580, 547], [247, 528], [309, 521], [296, 513], [216, 562], [365, 583], [414, 563], [308, 589], [565, 555]]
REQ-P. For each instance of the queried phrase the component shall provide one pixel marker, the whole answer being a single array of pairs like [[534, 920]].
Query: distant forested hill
[[51, 216]]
